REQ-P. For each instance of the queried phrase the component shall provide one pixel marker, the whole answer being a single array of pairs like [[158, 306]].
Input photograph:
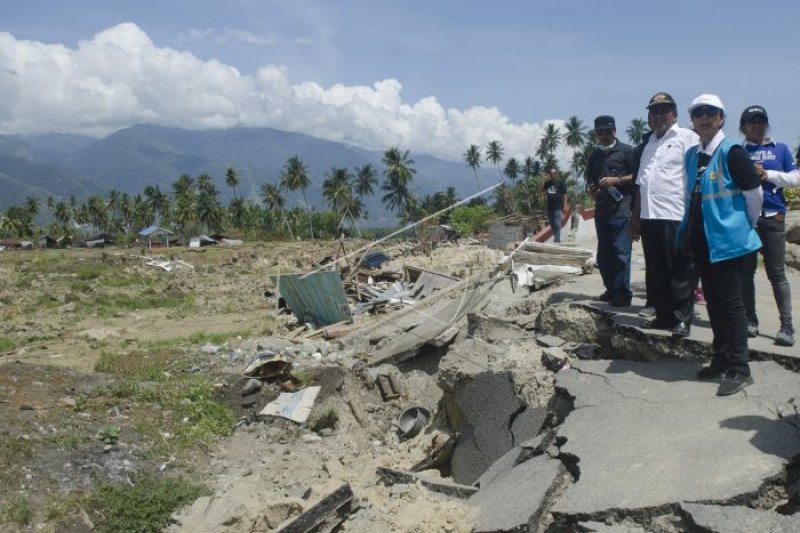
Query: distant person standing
[[776, 170], [718, 231], [555, 192], [609, 180], [658, 206]]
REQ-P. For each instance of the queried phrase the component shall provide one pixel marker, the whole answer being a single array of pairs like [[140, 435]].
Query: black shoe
[[733, 382], [752, 330], [682, 329], [606, 296], [619, 301], [655, 323], [712, 371], [785, 336]]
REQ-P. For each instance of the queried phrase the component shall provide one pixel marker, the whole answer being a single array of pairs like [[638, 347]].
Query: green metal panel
[[317, 297]]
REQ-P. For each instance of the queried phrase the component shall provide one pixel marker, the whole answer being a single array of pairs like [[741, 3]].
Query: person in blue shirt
[[776, 169]]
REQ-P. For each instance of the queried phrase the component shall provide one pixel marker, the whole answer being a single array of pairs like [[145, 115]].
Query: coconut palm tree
[[62, 213], [512, 169], [494, 154], [338, 190], [185, 201], [637, 130], [209, 209], [232, 179], [472, 157], [552, 138], [295, 176], [366, 179], [399, 174]]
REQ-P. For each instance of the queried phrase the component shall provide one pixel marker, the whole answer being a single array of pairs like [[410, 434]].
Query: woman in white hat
[[718, 231]]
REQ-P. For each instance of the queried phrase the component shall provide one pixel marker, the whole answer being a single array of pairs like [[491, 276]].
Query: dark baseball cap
[[661, 99], [605, 122], [753, 111]]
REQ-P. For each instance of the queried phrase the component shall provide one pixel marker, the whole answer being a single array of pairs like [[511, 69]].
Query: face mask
[[607, 148]]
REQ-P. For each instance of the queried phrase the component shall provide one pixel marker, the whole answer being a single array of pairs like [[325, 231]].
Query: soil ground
[[110, 368]]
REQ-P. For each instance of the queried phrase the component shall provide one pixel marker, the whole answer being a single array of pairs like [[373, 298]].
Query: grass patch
[[121, 304], [144, 507], [17, 510], [327, 418], [139, 365], [216, 338], [12, 451], [6, 344]]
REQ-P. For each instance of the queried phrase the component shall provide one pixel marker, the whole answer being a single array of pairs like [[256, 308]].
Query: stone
[[550, 341], [735, 519], [251, 386]]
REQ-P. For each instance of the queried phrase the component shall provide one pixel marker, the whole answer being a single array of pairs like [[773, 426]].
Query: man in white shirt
[[658, 208]]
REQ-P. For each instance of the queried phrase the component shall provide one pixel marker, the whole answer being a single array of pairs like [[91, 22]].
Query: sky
[[428, 76]]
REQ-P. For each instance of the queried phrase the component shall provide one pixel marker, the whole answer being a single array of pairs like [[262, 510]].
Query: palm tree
[[494, 154], [552, 138], [158, 202], [32, 205], [209, 210], [274, 202], [399, 174], [512, 169], [232, 179], [637, 130], [63, 214], [337, 189], [366, 179], [295, 176], [185, 200], [575, 138], [472, 157]]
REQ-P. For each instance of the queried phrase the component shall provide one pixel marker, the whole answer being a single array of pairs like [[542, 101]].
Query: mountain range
[[128, 160]]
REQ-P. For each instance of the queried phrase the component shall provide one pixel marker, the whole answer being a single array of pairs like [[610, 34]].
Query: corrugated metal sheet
[[317, 297]]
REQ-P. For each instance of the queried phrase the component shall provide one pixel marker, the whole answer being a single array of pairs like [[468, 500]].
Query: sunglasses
[[705, 110]]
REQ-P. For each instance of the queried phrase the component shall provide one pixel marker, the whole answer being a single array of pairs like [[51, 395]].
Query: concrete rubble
[[549, 413]]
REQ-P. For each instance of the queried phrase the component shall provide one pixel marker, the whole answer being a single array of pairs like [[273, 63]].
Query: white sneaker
[[648, 311]]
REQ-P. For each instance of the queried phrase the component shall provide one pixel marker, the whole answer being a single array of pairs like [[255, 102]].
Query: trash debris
[[317, 297], [268, 365], [330, 511], [387, 387], [411, 421], [293, 406]]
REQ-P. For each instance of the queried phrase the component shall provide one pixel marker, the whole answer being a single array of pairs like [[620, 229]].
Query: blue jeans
[[614, 255], [554, 219]]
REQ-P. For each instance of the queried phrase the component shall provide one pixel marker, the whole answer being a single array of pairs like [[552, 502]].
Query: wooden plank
[[333, 507], [390, 476]]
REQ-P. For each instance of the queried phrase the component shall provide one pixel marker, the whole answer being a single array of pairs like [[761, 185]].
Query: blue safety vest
[[729, 233]]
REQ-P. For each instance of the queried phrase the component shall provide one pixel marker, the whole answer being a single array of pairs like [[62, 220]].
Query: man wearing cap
[[555, 192], [776, 169], [718, 231], [658, 206], [609, 179]]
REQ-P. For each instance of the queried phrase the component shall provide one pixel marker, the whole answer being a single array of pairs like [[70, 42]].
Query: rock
[[311, 437], [554, 358], [250, 386], [550, 341], [735, 519], [251, 400], [78, 523]]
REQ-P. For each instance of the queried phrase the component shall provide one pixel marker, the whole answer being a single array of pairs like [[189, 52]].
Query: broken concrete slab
[[526, 425], [550, 341], [516, 499], [736, 519], [482, 410], [599, 527], [391, 476], [646, 436]]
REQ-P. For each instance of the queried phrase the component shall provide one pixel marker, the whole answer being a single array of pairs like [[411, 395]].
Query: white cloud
[[121, 77]]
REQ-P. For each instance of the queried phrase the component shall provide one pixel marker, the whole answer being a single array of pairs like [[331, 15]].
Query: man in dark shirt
[[609, 179], [556, 194]]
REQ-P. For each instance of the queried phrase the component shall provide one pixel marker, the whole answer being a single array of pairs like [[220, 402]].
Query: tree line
[[193, 206]]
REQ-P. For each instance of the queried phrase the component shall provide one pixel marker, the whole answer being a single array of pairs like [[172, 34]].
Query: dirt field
[[115, 373]]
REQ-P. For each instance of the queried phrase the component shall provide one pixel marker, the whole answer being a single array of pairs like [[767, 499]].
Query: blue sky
[[428, 76]]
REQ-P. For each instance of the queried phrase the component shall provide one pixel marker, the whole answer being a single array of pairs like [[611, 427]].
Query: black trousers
[[669, 275], [723, 284], [773, 238]]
